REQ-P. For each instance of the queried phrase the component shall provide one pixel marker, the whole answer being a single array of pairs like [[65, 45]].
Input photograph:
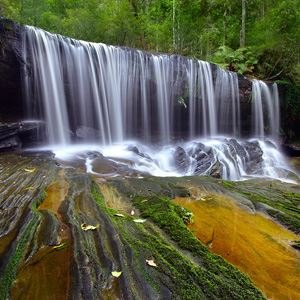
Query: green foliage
[[242, 60], [209, 30]]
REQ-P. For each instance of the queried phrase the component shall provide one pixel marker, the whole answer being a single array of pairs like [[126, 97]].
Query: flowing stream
[[158, 114]]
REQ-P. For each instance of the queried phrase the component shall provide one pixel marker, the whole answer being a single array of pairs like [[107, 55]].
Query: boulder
[[182, 160]]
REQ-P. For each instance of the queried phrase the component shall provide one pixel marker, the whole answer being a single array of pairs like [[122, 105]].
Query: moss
[[10, 271], [286, 220], [286, 202], [213, 278], [227, 184], [42, 196]]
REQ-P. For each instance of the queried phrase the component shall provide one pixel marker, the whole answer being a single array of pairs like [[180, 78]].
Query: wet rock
[[204, 162], [11, 143], [291, 150], [135, 150], [254, 159], [182, 160], [10, 69], [14, 135], [216, 170], [238, 149], [296, 245], [94, 154]]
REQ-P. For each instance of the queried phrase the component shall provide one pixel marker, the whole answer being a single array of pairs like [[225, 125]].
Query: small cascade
[[265, 110], [201, 100], [48, 84], [228, 103]]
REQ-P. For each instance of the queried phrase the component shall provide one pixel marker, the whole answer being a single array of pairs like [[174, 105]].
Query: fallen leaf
[[119, 215], [60, 246], [132, 212], [151, 262], [29, 170], [139, 220], [87, 227], [29, 188], [116, 274]]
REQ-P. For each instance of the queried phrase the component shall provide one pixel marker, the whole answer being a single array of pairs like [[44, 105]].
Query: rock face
[[14, 135], [182, 160], [10, 66]]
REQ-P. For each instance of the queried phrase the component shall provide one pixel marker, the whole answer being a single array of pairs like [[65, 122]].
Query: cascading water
[[265, 110], [105, 96]]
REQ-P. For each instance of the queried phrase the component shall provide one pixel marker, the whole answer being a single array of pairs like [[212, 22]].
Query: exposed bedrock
[[13, 136], [10, 68], [65, 235]]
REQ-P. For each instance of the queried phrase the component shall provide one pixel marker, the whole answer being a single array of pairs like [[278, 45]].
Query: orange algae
[[46, 275], [255, 244], [56, 194]]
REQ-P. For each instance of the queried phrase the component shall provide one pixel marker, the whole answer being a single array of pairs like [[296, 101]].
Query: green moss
[[37, 202], [286, 220], [228, 184], [212, 278], [286, 202], [10, 271]]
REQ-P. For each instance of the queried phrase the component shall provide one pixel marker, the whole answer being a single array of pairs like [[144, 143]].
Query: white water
[[102, 96], [236, 159], [265, 110]]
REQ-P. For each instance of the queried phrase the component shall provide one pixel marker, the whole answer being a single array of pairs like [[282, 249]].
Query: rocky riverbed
[[66, 234]]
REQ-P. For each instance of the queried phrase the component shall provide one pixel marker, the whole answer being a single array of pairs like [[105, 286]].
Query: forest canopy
[[259, 38]]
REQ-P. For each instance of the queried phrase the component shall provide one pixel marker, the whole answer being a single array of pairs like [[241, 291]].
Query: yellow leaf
[[119, 215], [29, 170], [139, 220], [29, 188], [116, 274], [151, 262], [60, 246], [87, 227]]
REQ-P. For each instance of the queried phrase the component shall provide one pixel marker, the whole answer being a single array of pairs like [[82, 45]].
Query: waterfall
[[184, 114], [265, 110], [228, 103]]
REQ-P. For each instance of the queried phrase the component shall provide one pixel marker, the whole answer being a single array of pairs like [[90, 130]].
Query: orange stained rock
[[255, 244], [46, 275], [56, 194]]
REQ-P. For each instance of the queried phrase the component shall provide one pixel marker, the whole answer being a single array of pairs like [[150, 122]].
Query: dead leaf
[[116, 274], [132, 212], [139, 220], [60, 246], [119, 215], [151, 262], [87, 227], [29, 170], [29, 188]]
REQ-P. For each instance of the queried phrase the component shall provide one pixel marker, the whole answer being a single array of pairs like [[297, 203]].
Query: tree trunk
[[243, 29], [174, 30]]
